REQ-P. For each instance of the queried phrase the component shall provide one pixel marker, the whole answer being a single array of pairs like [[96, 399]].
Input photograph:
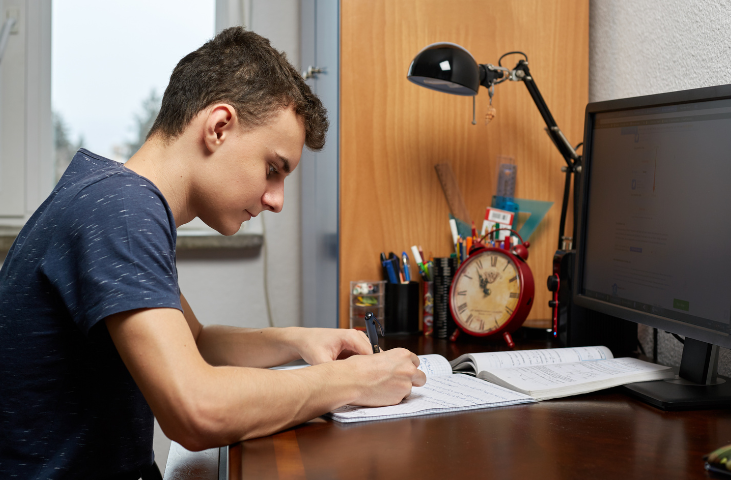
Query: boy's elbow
[[196, 426]]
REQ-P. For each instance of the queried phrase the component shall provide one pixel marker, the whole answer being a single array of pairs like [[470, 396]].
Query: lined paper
[[440, 394]]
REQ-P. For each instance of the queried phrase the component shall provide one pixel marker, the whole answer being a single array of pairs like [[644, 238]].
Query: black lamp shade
[[446, 67]]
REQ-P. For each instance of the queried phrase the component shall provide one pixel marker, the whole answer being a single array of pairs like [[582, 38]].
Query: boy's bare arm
[[234, 346], [201, 406]]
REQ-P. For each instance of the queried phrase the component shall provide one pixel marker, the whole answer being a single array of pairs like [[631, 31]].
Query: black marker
[[370, 322]]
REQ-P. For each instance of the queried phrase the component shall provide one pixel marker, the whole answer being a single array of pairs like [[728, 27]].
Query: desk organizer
[[402, 308], [366, 296], [444, 270]]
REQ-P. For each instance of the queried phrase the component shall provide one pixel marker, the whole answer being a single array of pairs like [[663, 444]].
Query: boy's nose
[[274, 199]]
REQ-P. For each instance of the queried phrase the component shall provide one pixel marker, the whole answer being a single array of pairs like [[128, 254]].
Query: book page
[[295, 365], [479, 362], [543, 377], [440, 394], [434, 365]]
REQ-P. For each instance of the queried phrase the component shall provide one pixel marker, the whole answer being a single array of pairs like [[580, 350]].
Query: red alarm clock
[[492, 291]]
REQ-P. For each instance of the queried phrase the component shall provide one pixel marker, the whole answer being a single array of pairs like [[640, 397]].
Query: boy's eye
[[272, 169]]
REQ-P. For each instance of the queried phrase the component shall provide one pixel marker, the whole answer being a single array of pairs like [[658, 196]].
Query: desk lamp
[[449, 68]]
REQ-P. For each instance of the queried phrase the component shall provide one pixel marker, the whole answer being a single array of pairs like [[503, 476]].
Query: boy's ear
[[219, 125]]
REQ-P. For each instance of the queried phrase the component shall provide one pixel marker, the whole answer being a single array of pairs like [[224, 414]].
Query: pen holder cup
[[402, 308]]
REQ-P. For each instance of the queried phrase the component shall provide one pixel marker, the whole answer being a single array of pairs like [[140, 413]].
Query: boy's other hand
[[320, 345]]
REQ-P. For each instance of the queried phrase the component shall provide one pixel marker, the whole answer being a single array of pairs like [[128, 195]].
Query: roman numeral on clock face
[[493, 260], [462, 292], [509, 310], [479, 264], [513, 279], [513, 294], [462, 308]]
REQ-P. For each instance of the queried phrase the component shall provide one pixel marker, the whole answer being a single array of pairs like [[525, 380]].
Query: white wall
[[641, 47]]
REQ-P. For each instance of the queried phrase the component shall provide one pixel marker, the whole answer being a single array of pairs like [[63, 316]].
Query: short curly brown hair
[[242, 69]]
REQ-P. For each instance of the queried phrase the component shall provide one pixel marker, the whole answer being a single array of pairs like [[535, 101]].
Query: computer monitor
[[654, 229]]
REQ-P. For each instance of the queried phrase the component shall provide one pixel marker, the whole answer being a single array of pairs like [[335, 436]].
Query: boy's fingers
[[415, 360], [419, 379], [355, 342]]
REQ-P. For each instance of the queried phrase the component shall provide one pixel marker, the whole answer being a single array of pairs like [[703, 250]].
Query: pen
[[407, 272], [370, 321]]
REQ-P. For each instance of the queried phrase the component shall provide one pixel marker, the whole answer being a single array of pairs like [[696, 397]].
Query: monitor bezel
[[721, 92]]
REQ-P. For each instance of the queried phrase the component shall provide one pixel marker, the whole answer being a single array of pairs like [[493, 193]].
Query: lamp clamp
[[490, 75]]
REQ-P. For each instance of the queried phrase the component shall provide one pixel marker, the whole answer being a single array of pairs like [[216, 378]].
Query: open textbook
[[514, 377]]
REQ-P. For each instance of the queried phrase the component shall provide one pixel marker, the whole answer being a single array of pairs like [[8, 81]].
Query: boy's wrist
[[290, 339], [337, 379]]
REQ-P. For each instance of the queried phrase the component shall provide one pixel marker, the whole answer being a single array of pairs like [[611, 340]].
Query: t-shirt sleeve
[[114, 251]]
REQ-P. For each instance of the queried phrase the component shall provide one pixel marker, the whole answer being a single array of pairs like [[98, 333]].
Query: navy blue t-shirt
[[102, 243]]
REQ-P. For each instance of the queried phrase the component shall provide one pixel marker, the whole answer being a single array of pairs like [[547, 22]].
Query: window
[[111, 63], [84, 73]]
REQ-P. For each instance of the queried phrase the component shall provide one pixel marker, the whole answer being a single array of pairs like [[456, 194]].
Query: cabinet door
[[393, 132]]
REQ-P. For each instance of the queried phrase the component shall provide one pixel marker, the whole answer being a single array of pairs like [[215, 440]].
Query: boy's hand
[[386, 378], [320, 345]]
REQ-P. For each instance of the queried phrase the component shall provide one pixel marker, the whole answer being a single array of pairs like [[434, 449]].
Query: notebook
[[495, 379], [442, 393]]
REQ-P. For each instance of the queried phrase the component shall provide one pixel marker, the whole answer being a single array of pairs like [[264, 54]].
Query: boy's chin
[[225, 228], [230, 230]]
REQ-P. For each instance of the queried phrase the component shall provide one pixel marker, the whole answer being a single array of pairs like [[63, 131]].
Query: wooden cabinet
[[393, 132]]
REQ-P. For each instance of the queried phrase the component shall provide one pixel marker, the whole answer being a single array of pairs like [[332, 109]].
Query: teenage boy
[[95, 335]]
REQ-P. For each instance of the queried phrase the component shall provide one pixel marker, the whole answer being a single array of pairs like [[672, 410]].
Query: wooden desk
[[601, 435]]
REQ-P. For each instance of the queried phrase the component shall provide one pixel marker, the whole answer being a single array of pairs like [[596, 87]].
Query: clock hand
[[483, 284]]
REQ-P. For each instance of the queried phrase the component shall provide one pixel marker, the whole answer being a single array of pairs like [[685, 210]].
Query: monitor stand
[[697, 385]]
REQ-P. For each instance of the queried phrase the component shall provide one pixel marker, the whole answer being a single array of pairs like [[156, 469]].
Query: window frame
[[26, 130]]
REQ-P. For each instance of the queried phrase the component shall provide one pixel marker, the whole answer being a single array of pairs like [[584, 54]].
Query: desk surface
[[600, 435]]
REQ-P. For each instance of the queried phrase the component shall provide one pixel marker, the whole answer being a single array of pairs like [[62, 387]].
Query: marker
[[419, 262], [396, 263], [453, 228], [391, 274]]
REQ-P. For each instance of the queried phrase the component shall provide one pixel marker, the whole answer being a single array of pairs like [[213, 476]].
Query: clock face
[[486, 292]]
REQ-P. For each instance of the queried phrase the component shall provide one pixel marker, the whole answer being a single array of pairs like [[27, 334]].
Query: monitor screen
[[657, 214]]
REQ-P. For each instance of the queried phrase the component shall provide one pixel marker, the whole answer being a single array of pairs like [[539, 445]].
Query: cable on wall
[[265, 250]]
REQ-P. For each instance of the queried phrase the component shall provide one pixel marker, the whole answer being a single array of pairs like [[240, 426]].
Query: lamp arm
[[522, 73], [490, 76]]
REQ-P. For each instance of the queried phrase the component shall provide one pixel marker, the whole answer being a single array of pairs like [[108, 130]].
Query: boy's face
[[245, 175]]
